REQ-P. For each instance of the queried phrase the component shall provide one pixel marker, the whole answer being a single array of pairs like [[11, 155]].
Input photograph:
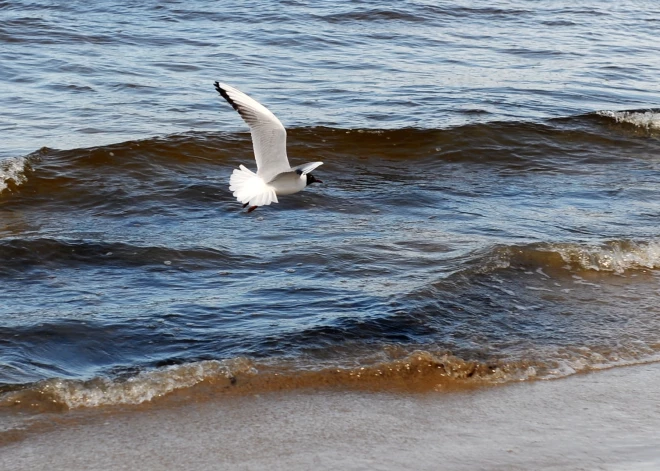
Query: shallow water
[[489, 211]]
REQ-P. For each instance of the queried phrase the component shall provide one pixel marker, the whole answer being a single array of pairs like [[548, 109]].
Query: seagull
[[274, 177]]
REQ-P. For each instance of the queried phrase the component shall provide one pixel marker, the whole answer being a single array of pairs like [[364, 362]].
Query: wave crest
[[12, 171], [143, 387], [417, 371], [614, 256], [649, 120]]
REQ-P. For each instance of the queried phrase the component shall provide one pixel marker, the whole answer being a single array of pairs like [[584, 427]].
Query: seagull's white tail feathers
[[250, 188]]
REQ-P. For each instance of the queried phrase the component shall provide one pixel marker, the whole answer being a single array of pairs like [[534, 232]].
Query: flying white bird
[[274, 177]]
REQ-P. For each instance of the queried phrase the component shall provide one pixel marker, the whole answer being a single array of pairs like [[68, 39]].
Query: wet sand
[[607, 420]]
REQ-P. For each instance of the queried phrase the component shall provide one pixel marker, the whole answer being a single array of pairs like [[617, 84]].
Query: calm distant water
[[490, 208]]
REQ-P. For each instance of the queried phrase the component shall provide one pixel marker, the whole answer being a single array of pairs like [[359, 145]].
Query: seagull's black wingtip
[[222, 92]]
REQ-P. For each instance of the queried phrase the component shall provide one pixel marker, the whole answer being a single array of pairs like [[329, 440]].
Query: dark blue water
[[489, 211]]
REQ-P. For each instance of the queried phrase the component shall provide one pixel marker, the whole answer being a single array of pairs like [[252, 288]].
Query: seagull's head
[[312, 179]]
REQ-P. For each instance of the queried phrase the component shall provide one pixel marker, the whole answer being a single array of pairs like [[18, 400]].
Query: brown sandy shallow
[[607, 420]]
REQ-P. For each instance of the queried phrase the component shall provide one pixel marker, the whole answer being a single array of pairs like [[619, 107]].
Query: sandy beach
[[607, 420]]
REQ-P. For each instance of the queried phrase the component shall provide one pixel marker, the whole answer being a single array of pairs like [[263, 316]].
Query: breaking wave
[[12, 172], [613, 256], [419, 371], [649, 120]]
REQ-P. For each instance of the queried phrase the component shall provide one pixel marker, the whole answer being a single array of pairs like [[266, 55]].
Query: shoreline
[[604, 420]]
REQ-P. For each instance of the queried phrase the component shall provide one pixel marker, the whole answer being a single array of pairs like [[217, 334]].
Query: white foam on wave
[[12, 169], [144, 386], [569, 361], [614, 257], [641, 119]]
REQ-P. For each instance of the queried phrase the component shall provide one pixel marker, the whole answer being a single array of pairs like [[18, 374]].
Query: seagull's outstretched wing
[[268, 134], [304, 169]]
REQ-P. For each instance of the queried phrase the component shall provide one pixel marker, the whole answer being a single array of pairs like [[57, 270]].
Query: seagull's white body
[[274, 174]]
